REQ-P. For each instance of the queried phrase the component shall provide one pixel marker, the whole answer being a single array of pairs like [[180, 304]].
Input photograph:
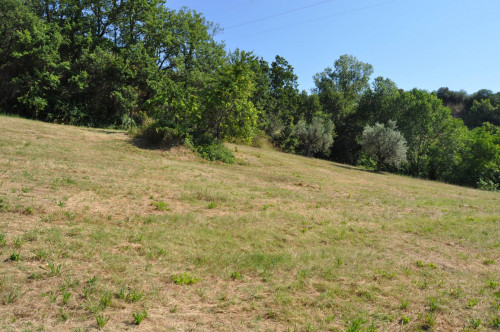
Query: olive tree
[[385, 144], [316, 136]]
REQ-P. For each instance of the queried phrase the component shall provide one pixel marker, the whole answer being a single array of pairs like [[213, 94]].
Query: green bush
[[161, 134], [216, 152]]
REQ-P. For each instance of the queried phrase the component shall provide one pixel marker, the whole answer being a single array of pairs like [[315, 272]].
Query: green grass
[[274, 241]]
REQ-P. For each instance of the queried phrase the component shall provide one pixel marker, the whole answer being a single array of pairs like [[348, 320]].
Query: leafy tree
[[483, 111], [341, 87], [374, 104], [340, 90], [385, 144], [30, 67], [481, 159], [422, 119], [445, 153], [228, 111], [281, 114], [309, 106], [315, 137]]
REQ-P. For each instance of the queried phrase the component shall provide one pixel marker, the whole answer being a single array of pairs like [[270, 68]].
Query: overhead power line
[[321, 18], [278, 14]]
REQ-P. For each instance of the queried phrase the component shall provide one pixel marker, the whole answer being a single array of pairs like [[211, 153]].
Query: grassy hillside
[[93, 226]]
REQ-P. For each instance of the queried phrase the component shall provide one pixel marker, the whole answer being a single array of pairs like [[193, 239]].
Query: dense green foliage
[[124, 63]]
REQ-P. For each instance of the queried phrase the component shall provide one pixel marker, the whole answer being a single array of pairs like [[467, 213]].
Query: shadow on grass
[[106, 131], [144, 143], [354, 168]]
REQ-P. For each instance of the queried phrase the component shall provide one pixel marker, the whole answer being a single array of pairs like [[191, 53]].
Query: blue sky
[[426, 44]]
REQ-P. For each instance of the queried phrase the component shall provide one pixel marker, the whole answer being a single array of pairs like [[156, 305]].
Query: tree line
[[122, 63]]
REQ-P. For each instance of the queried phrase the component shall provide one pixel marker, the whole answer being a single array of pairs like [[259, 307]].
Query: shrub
[[162, 134], [216, 152]]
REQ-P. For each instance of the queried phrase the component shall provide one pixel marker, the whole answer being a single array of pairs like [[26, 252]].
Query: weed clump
[[14, 257], [139, 316], [4, 204], [184, 278], [161, 206], [404, 320], [101, 320]]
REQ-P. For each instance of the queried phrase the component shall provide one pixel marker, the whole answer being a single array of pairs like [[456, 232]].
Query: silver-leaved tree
[[385, 144]]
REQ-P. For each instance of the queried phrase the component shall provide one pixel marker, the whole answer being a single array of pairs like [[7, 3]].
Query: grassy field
[[97, 231]]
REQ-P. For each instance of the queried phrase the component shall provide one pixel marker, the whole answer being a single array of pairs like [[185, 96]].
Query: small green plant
[[92, 282], [10, 297], [472, 303], [134, 296], [63, 315], [69, 180], [14, 257], [90, 287], [420, 264], [475, 323], [105, 300], [457, 293], [53, 269], [433, 304], [184, 278], [212, 205], [3, 241], [173, 309], [404, 320], [17, 242], [41, 254], [66, 296], [29, 210], [139, 316], [161, 206], [271, 315], [429, 322], [53, 295], [236, 275], [61, 204], [492, 284], [356, 325], [404, 304], [495, 322], [26, 189], [35, 276], [101, 320], [70, 283], [4, 205], [122, 294]]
